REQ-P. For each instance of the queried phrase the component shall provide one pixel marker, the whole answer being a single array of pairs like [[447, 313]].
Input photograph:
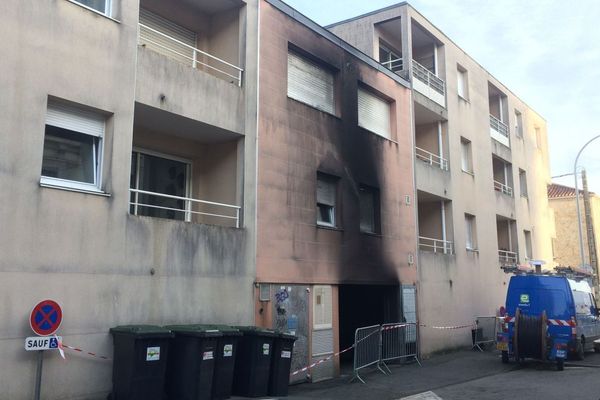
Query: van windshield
[[534, 301]]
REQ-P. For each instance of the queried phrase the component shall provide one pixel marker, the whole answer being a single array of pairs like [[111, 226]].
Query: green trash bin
[[225, 361], [281, 364], [140, 362], [253, 362], [191, 364]]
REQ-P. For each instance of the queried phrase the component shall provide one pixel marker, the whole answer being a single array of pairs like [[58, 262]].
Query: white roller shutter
[[178, 45], [374, 113], [310, 83], [75, 119]]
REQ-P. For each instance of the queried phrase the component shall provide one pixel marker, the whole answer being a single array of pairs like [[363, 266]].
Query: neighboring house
[[566, 241], [481, 164], [166, 163]]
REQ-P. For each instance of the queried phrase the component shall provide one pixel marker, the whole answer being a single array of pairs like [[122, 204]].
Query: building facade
[[481, 167], [127, 142], [566, 241]]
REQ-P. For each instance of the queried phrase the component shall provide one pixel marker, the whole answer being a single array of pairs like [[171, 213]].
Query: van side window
[[583, 302]]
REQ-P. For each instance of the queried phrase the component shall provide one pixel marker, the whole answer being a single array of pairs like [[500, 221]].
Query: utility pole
[[589, 225]]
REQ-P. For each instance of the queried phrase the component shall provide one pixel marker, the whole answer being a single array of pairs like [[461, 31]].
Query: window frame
[[108, 7], [470, 232], [523, 183], [528, 244], [367, 93], [331, 180], [519, 131], [326, 290], [98, 150], [466, 149], [299, 54], [376, 210], [462, 82]]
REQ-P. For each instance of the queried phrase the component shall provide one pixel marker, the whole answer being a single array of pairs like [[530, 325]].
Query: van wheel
[[505, 357], [580, 353], [560, 364]]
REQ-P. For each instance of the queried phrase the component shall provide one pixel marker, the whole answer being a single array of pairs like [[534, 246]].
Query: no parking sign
[[45, 318]]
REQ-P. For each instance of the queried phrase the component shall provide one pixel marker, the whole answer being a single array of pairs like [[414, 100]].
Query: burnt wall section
[[297, 141]]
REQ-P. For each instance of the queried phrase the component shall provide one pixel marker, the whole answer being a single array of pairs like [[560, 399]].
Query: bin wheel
[[505, 357], [579, 352], [560, 364]]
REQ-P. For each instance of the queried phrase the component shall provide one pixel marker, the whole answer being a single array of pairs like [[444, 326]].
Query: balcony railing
[[428, 77], [436, 245], [221, 67], [431, 159], [188, 204], [507, 257], [395, 65], [498, 126], [502, 188]]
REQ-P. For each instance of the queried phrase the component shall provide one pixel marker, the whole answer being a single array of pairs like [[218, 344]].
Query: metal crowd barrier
[[367, 349], [376, 344], [485, 331]]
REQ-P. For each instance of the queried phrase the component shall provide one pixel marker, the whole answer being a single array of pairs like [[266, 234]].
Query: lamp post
[[579, 224]]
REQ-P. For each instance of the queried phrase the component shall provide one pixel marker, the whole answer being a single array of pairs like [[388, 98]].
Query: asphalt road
[[463, 376]]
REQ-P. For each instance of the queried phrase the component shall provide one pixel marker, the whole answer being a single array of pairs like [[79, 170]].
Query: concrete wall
[[471, 283], [102, 265]]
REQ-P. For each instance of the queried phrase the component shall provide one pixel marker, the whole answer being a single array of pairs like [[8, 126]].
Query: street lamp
[[579, 224]]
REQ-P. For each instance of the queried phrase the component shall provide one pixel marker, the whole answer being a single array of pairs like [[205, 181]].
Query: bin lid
[[256, 331], [288, 336], [142, 331], [195, 330], [226, 330]]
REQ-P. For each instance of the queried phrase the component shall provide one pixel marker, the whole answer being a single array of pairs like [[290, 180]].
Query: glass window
[[72, 155], [102, 6], [466, 156], [523, 182], [470, 232], [310, 83], [326, 200], [528, 245], [518, 124], [160, 176], [389, 58], [369, 209], [462, 82]]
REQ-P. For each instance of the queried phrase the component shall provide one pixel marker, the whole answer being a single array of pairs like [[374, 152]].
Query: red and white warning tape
[[62, 346], [447, 327]]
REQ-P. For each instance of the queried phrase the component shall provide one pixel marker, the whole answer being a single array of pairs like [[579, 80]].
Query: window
[[374, 113], [462, 82], [528, 246], [470, 232], [322, 310], [369, 209], [466, 156], [518, 124], [155, 34], [102, 6], [523, 182], [161, 175], [310, 83], [389, 58], [326, 200], [72, 147]]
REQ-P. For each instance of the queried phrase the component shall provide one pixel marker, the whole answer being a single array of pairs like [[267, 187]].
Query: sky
[[546, 51]]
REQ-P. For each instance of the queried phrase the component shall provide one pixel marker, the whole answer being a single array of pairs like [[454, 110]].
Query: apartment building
[[127, 143], [335, 211], [481, 168], [566, 242]]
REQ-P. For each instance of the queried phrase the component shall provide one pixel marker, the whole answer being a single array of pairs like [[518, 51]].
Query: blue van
[[548, 318]]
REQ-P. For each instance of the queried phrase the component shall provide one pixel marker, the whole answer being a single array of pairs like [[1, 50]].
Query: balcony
[[499, 131], [189, 55], [507, 257], [436, 245], [184, 170], [431, 159], [502, 188], [428, 84]]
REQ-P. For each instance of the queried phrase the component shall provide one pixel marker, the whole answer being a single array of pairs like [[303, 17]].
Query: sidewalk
[[407, 379]]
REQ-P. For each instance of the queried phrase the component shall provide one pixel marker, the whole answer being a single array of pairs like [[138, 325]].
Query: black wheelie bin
[[225, 361], [253, 361], [191, 364], [140, 362], [281, 364]]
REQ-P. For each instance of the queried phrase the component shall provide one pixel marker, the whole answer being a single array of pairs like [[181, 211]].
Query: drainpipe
[[443, 209], [440, 144]]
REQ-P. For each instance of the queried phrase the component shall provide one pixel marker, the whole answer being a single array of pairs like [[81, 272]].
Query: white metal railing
[[501, 187], [428, 77], [187, 209], [498, 126], [507, 257], [436, 245], [395, 65], [197, 53], [431, 159]]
